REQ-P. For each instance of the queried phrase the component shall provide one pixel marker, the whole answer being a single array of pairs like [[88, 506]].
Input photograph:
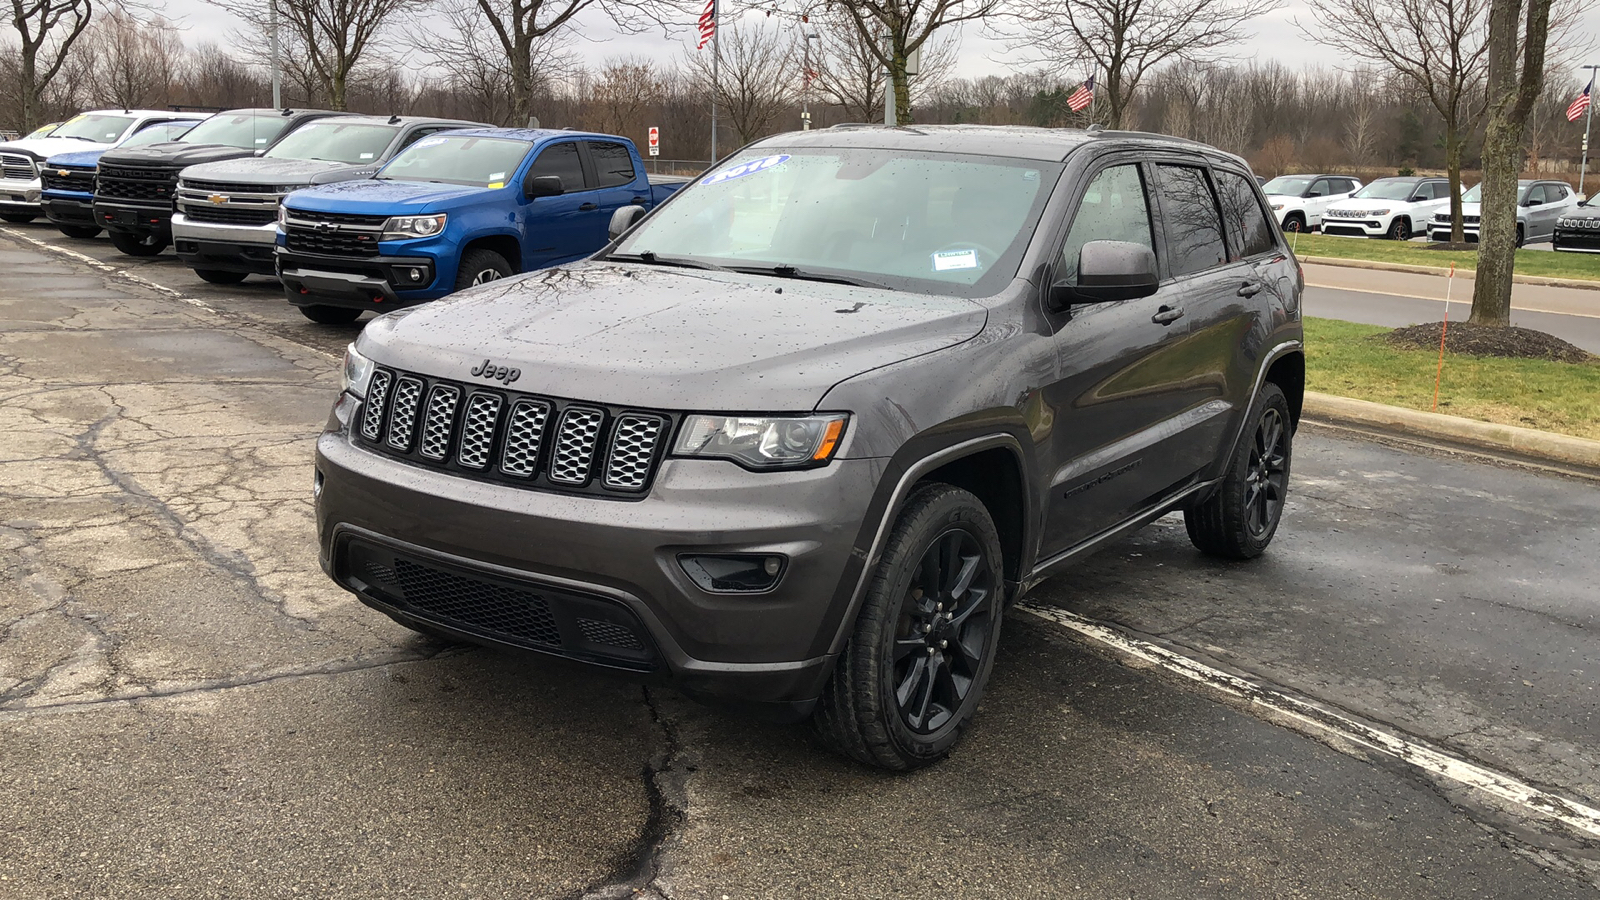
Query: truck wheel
[[1295, 222], [83, 232], [137, 245], [17, 218], [219, 276], [1240, 517], [331, 315], [909, 681], [481, 267]]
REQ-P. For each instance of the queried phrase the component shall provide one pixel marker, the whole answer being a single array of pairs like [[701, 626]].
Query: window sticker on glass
[[431, 142], [749, 167], [262, 140], [498, 176], [368, 155], [946, 260]]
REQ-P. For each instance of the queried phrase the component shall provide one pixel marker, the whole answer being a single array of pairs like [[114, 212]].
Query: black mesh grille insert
[[136, 184], [237, 215], [482, 606], [74, 180]]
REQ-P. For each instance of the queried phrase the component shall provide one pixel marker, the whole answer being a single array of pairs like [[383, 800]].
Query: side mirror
[[544, 186], [1311, 194], [1109, 271], [624, 219], [1530, 202]]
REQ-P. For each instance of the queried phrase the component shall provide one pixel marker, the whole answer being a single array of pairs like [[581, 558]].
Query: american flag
[[708, 24], [1580, 104], [1083, 96]]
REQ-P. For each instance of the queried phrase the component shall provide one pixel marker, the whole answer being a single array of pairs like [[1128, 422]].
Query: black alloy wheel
[[910, 679], [1238, 519], [1400, 229]]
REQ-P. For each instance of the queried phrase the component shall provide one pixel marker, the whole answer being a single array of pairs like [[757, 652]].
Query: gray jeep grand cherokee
[[797, 438]]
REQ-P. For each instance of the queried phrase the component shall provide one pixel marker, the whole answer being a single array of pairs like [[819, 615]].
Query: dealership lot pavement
[[188, 707]]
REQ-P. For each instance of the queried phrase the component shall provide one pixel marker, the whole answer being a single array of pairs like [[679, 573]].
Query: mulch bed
[[1509, 342]]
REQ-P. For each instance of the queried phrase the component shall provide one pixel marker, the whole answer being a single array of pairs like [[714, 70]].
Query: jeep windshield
[[1286, 186], [460, 159], [335, 141], [90, 127], [924, 222], [247, 132], [1386, 190]]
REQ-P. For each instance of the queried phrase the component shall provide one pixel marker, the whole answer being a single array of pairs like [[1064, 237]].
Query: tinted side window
[[1322, 187], [1192, 224], [562, 161], [1113, 209], [1346, 186], [612, 163], [1243, 215]]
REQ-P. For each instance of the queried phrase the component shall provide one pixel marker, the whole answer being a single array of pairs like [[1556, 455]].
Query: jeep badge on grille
[[502, 374]]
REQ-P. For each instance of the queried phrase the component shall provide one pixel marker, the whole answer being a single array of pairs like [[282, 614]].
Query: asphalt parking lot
[[189, 708]]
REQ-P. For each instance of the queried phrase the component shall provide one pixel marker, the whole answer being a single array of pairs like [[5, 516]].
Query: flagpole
[[1583, 167], [716, 68]]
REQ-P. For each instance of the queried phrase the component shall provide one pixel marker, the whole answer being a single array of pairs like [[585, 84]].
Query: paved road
[[189, 708], [1393, 299]]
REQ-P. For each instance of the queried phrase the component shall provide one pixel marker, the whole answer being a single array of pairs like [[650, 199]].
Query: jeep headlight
[[401, 228], [357, 372], [1277, 206], [763, 442], [1379, 212]]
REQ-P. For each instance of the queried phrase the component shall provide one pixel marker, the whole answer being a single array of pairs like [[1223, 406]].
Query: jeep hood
[[173, 154], [374, 197], [264, 171], [672, 339]]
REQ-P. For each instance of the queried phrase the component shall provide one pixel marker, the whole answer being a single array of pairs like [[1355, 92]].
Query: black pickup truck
[[135, 188]]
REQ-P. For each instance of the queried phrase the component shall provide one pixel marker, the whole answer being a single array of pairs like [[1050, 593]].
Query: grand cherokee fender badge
[[502, 374]]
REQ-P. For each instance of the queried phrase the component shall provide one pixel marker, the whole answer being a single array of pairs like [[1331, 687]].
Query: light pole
[[1588, 118], [272, 28], [805, 84]]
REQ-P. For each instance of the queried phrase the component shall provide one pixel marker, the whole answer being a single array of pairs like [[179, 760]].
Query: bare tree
[[46, 31], [759, 78], [1121, 41], [618, 99], [1361, 125], [1514, 87], [333, 37], [500, 87], [850, 74], [891, 30], [133, 63]]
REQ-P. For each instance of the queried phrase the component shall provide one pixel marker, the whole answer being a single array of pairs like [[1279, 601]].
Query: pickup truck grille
[[333, 234], [16, 166], [513, 438], [74, 180], [125, 183], [225, 203]]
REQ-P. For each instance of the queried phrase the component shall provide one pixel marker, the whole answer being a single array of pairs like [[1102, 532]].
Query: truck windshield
[[335, 141], [91, 127], [248, 132], [156, 134], [462, 159], [927, 222], [1286, 186]]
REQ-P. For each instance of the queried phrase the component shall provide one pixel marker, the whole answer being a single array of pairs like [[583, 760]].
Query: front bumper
[[134, 218], [1576, 241], [228, 248], [1356, 227], [68, 207], [767, 652], [371, 282], [1440, 231], [17, 196]]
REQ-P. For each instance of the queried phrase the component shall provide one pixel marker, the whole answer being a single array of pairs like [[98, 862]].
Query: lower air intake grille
[[486, 606], [513, 438]]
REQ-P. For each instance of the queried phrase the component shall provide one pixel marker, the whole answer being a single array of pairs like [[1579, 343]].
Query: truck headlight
[[400, 228], [357, 372], [763, 442], [283, 216]]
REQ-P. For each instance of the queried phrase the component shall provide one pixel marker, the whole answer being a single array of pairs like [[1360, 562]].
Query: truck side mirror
[[1108, 271], [544, 186], [624, 219]]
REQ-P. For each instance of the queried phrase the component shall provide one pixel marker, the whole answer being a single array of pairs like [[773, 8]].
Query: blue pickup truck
[[68, 178], [453, 210]]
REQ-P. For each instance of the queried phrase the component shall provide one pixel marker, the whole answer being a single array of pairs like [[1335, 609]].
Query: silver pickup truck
[[225, 226]]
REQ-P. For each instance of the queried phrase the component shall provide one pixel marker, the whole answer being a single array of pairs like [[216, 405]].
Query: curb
[[1524, 442], [1540, 280]]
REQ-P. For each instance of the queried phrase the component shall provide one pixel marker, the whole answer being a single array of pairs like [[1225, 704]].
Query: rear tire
[[481, 267], [17, 218], [1242, 514], [81, 232], [1520, 234], [220, 276], [910, 679], [134, 245], [330, 315]]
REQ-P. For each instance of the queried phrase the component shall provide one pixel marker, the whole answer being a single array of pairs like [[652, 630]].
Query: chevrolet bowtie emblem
[[218, 199], [62, 173]]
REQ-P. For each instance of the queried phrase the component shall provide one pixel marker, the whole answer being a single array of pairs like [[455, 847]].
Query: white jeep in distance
[[1298, 201], [1396, 208]]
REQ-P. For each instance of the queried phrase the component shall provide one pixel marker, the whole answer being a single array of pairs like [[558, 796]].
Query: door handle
[[1250, 289], [588, 207], [637, 201], [1167, 315]]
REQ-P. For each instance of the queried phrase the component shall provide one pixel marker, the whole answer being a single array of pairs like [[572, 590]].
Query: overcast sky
[[1275, 37]]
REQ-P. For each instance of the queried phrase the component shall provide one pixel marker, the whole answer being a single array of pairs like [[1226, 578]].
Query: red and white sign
[[655, 141]]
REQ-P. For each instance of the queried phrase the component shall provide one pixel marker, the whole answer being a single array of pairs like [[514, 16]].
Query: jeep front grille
[[74, 180], [17, 166], [128, 183], [513, 438]]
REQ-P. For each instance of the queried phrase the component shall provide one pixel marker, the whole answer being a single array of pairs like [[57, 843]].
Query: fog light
[[742, 573], [414, 274], [316, 486]]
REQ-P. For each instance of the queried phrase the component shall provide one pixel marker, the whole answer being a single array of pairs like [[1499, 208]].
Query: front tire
[[330, 315], [1295, 222], [908, 683], [136, 245], [17, 218], [221, 276], [481, 267], [1400, 229], [1242, 514], [81, 232]]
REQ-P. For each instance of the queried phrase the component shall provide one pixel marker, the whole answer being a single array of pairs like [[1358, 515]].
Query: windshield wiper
[[787, 271], [652, 258]]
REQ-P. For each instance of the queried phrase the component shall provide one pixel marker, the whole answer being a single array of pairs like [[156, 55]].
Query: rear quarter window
[[1246, 221]]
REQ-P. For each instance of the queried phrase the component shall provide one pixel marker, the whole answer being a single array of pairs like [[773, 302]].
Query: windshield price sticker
[[945, 260], [749, 167], [431, 142]]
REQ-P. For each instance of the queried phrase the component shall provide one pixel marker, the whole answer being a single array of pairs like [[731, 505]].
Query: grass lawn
[[1529, 262], [1347, 359]]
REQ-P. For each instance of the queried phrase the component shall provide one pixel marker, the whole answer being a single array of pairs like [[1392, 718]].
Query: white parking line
[[1570, 813], [107, 267], [1458, 301]]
